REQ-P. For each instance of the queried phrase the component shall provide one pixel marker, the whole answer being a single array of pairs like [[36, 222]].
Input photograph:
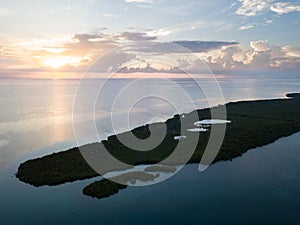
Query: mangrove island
[[250, 124]]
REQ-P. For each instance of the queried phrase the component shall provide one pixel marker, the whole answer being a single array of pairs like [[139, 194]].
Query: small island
[[252, 124], [105, 188]]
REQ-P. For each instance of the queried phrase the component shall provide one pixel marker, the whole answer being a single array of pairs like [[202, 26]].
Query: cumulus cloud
[[111, 62], [142, 50], [226, 58], [260, 46], [262, 55], [292, 51]]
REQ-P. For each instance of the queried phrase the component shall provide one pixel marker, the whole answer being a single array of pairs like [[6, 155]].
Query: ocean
[[38, 117]]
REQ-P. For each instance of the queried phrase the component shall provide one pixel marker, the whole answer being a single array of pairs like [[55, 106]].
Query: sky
[[57, 39]]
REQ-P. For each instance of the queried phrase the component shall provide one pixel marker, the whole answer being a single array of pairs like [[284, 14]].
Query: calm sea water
[[37, 118]]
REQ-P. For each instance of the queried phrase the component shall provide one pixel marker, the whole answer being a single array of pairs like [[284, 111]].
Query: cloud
[[110, 15], [135, 36], [111, 62], [139, 52], [260, 46], [229, 59], [96, 49], [226, 58], [178, 46], [262, 56], [162, 32], [252, 7], [260, 59], [202, 46], [88, 37], [139, 1], [267, 22], [292, 51], [246, 27], [284, 7]]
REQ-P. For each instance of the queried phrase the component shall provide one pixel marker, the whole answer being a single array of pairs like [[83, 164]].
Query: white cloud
[[246, 27], [267, 22], [161, 32], [292, 51], [263, 56], [110, 15], [87, 47], [260, 46], [139, 1], [253, 7], [229, 7], [284, 7]]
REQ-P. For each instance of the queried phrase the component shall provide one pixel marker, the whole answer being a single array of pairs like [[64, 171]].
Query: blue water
[[261, 187]]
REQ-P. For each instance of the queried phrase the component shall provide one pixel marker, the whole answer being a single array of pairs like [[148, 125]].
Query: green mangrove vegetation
[[253, 124], [103, 188]]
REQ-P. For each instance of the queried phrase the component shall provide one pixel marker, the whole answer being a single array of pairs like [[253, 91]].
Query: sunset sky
[[234, 38]]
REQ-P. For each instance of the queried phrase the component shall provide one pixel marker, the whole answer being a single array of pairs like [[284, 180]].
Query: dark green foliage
[[102, 189], [54, 169], [293, 95], [258, 123], [105, 188]]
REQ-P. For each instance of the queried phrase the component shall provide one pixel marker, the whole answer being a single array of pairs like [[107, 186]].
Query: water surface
[[261, 187]]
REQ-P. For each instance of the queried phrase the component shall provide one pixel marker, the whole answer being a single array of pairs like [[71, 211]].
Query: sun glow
[[57, 62]]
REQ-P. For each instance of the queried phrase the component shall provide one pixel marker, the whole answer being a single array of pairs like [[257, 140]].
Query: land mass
[[105, 188], [293, 95], [253, 124]]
